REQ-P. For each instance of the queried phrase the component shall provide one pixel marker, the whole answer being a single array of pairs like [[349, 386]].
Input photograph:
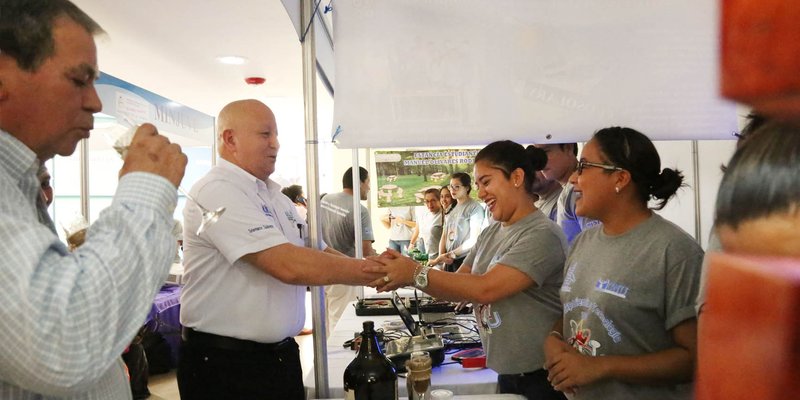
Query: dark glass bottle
[[370, 376]]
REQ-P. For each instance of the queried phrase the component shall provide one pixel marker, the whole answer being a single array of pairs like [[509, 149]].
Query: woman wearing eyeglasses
[[512, 275], [461, 226], [629, 328]]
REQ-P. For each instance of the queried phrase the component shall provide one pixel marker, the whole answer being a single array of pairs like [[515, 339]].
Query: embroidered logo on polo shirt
[[612, 288], [260, 228]]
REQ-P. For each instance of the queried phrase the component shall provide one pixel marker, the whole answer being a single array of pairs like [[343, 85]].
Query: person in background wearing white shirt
[[177, 234], [246, 275], [401, 224], [428, 231], [67, 316]]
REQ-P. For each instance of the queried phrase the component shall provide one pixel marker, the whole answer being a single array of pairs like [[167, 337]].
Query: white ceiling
[[169, 48]]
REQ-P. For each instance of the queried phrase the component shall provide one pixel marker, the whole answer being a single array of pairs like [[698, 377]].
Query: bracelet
[[417, 270], [556, 334]]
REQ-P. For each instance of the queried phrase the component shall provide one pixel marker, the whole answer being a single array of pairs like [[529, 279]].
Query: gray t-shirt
[[519, 323], [566, 218], [622, 295], [336, 219], [465, 217]]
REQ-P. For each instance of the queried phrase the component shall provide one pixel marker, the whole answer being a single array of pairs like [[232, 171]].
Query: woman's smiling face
[[594, 187], [446, 198], [501, 194]]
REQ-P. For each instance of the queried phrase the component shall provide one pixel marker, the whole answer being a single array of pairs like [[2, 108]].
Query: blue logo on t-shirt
[[612, 288]]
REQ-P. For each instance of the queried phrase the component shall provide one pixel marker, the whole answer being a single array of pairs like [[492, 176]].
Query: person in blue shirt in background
[[562, 160]]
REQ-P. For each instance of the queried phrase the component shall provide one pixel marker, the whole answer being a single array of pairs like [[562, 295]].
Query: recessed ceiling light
[[232, 60]]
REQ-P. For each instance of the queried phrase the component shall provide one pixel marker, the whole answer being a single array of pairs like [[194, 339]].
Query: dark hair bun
[[537, 157], [666, 184]]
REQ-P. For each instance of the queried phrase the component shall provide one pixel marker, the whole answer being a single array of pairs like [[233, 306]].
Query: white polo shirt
[[223, 294]]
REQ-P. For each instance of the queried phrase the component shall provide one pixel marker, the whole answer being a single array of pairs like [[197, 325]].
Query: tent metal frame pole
[[321, 385], [357, 213], [84, 165], [696, 168]]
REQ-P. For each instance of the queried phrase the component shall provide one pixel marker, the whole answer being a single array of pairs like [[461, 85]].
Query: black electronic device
[[383, 306], [405, 314], [399, 350], [374, 306]]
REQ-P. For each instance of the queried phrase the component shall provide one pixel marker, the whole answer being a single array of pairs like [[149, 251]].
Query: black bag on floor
[[158, 352], [136, 360]]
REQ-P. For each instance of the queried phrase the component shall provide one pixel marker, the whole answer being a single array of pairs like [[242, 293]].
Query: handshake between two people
[[395, 269]]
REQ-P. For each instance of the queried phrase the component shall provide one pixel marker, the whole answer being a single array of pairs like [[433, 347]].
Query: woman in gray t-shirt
[[629, 327], [462, 225], [511, 275]]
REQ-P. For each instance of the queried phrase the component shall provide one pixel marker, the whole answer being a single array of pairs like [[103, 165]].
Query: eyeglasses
[[455, 187], [583, 164]]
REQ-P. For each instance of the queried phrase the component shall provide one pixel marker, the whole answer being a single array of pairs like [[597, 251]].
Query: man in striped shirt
[[67, 316]]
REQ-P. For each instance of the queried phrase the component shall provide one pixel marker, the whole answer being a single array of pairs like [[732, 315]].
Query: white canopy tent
[[469, 71]]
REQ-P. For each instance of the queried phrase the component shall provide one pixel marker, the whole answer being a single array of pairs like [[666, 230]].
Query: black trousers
[[533, 385], [206, 371]]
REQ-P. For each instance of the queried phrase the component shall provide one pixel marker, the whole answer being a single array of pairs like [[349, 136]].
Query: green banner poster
[[403, 176]]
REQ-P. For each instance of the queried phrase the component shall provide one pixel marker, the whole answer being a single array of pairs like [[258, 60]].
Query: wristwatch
[[421, 279]]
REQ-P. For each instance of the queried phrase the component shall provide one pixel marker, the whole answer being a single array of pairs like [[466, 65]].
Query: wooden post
[[761, 55], [748, 345]]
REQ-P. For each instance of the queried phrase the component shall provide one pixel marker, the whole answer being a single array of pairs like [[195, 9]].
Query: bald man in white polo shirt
[[246, 274]]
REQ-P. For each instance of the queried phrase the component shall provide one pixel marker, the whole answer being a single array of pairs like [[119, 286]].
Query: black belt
[[192, 336]]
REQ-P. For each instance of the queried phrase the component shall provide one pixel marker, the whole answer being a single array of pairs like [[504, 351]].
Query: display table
[[164, 318], [451, 376]]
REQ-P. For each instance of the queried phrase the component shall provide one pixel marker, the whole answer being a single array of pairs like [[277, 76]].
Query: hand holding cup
[[151, 152]]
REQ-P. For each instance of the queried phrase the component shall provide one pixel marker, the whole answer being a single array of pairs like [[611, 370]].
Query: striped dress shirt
[[66, 317]]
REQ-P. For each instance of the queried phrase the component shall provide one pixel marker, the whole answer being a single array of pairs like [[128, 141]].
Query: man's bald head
[[234, 113], [248, 136]]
